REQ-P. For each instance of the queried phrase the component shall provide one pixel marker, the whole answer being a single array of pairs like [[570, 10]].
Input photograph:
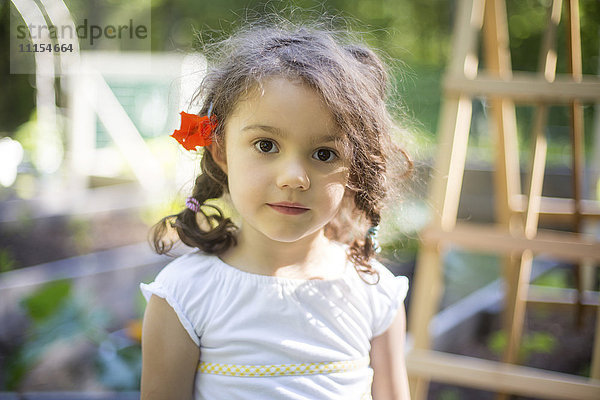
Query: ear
[[217, 153]]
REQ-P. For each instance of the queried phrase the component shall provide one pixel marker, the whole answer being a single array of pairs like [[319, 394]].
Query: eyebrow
[[282, 134]]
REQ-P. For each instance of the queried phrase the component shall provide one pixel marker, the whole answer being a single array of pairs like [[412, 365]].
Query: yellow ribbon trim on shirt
[[283, 369]]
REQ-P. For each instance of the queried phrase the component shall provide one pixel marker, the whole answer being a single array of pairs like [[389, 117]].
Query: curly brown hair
[[353, 82]]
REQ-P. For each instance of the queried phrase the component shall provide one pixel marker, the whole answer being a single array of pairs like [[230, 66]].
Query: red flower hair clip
[[195, 130]]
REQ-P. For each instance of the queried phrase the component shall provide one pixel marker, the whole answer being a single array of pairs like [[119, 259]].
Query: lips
[[288, 208]]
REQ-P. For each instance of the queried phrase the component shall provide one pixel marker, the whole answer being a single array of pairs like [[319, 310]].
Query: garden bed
[[554, 339]]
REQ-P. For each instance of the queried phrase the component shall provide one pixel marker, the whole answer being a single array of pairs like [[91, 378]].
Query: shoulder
[[187, 267], [393, 287], [187, 285], [382, 287], [187, 276], [384, 298]]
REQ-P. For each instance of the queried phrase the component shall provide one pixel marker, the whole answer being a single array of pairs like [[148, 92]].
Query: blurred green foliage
[[557, 278], [17, 99], [45, 309], [416, 32], [527, 20], [7, 260], [465, 272], [449, 394], [119, 364], [532, 343], [57, 315], [47, 300], [80, 233]]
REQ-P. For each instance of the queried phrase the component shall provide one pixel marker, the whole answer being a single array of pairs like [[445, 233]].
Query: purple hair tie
[[193, 204]]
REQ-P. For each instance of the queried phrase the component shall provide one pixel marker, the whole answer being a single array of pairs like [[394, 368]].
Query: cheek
[[334, 194], [335, 187], [246, 180]]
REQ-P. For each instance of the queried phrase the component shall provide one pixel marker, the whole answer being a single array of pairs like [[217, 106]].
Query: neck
[[308, 257]]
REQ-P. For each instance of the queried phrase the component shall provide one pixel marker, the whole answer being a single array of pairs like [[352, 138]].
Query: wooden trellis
[[515, 235]]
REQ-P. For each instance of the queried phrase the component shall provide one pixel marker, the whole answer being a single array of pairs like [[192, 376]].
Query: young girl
[[290, 303]]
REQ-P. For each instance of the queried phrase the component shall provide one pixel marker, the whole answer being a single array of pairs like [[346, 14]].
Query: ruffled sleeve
[[177, 283], [387, 298]]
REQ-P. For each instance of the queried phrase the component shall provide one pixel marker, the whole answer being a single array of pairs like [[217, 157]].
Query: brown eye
[[324, 155], [265, 146]]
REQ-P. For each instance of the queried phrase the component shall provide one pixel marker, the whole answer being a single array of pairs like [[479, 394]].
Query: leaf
[[47, 301], [497, 342], [7, 260]]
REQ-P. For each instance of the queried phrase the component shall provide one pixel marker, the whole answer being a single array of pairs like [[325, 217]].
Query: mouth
[[288, 208]]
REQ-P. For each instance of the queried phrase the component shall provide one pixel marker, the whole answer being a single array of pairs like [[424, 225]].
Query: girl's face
[[285, 161]]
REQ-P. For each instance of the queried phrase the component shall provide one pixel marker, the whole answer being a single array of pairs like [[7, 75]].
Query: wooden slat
[[517, 276], [492, 375], [469, 18], [507, 179], [454, 136], [455, 116], [455, 121], [526, 87], [547, 69], [536, 172], [427, 290], [574, 39], [554, 206], [503, 122], [562, 245], [561, 296], [576, 125], [595, 367], [576, 108], [548, 59]]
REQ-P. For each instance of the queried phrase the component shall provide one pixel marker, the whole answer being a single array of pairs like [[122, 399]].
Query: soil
[[571, 353], [43, 240], [35, 241]]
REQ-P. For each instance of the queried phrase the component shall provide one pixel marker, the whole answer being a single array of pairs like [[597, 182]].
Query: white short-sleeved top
[[265, 337]]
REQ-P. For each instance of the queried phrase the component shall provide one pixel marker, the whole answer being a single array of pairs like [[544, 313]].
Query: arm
[[169, 356], [390, 381]]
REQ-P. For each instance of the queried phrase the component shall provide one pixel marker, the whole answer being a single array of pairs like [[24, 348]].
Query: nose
[[293, 175]]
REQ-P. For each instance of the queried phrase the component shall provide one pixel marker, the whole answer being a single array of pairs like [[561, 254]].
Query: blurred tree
[[411, 31], [527, 21], [416, 32], [17, 100]]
